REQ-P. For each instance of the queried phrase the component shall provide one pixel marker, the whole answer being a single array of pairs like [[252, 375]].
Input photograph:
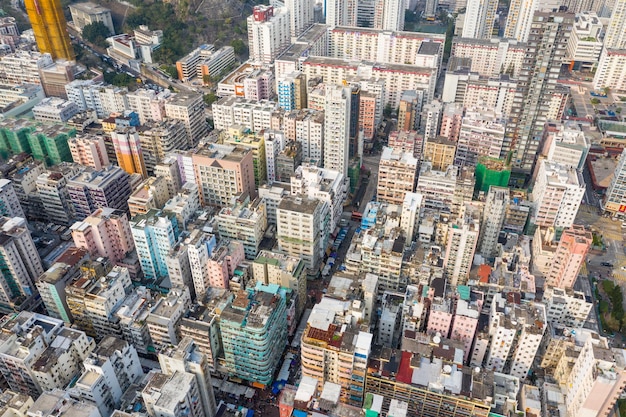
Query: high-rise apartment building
[[479, 19], [389, 15], [155, 234], [566, 307], [128, 151], [481, 134], [344, 363], [462, 242], [52, 190], [173, 395], [569, 257], [557, 194], [494, 215], [21, 263], [132, 315], [301, 15], [409, 111], [307, 128], [268, 33], [301, 224], [89, 150], [52, 283], [611, 71], [9, 203], [615, 37], [186, 357], [189, 108], [337, 129], [292, 94], [92, 189], [519, 19], [244, 221], [223, 172], [284, 270], [252, 326], [165, 315], [50, 28], [105, 232], [397, 175], [540, 97], [93, 298], [110, 370], [440, 153]]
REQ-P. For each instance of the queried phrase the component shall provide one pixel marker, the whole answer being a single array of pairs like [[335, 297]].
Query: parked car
[[607, 264]]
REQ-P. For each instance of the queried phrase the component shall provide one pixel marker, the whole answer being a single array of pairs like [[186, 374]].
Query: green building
[[491, 171], [14, 136], [48, 143], [254, 332]]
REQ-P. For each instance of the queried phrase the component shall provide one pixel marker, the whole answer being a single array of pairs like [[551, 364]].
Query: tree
[[96, 33], [170, 70], [210, 99], [206, 79], [595, 101], [238, 46]]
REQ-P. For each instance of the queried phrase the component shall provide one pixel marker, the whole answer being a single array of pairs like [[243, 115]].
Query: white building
[[584, 45], [462, 242], [491, 57], [479, 19], [307, 128], [302, 15], [431, 119], [114, 365], [54, 109], [557, 194], [566, 307], [615, 37], [389, 15], [186, 357], [165, 315], [337, 129], [567, 144], [611, 70], [519, 19], [173, 395], [244, 221], [322, 184], [268, 33], [84, 14], [385, 46], [303, 228], [274, 141], [250, 114], [409, 222]]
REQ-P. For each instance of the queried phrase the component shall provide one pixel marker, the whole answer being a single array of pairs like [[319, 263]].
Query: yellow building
[[128, 151], [49, 27]]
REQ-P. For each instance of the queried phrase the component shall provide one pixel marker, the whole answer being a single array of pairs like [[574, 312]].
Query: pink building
[[569, 257], [89, 150], [223, 261], [106, 232], [440, 319], [259, 85], [451, 121], [464, 325]]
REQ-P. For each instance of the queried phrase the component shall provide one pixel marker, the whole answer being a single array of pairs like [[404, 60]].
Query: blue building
[[155, 234]]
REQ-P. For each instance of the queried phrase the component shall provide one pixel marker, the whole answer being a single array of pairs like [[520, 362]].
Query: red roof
[[484, 271], [405, 373]]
